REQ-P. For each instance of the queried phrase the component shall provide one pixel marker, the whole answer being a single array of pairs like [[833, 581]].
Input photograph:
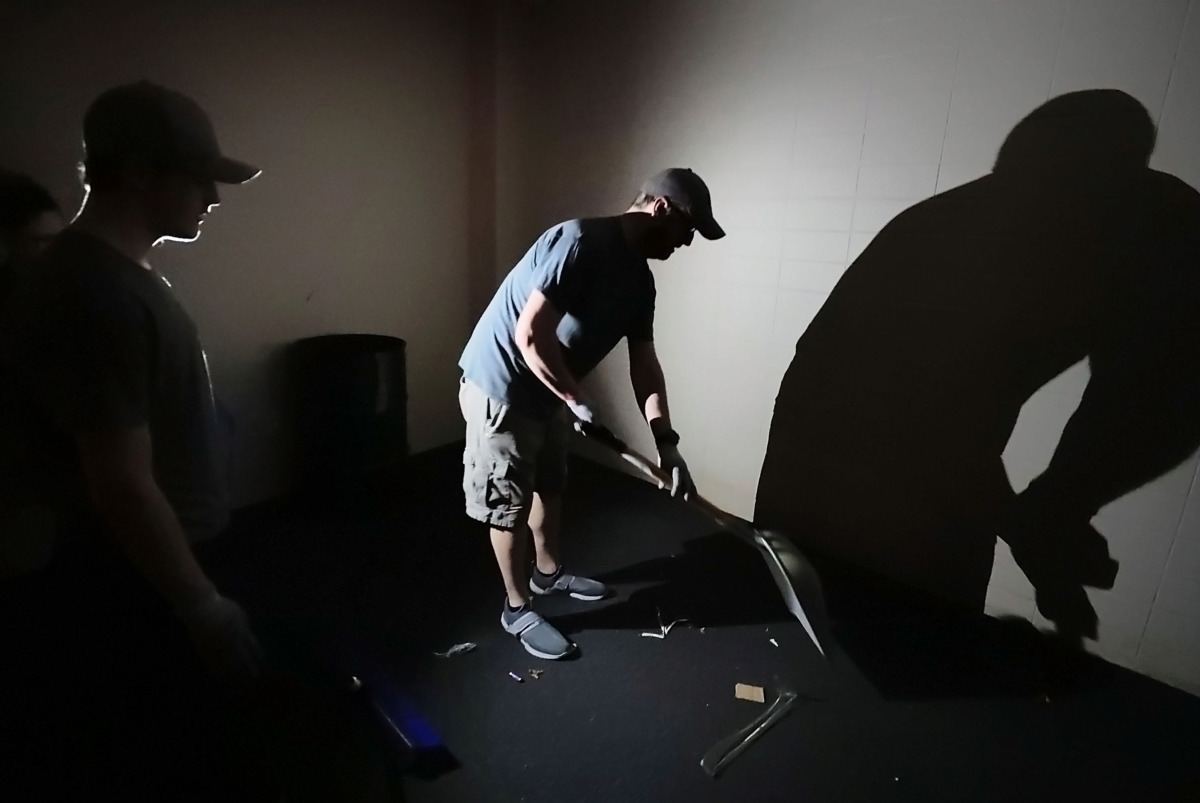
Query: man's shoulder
[[572, 244], [80, 262], [557, 246], [1172, 201], [80, 283], [74, 247], [604, 230], [562, 235], [587, 229]]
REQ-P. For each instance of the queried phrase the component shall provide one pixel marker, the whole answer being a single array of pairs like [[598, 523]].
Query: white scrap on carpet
[[663, 630]]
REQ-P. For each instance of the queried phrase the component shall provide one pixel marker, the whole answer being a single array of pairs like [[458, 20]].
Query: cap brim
[[231, 171], [709, 229]]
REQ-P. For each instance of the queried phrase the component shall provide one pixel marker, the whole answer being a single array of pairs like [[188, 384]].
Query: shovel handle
[[741, 529], [655, 473]]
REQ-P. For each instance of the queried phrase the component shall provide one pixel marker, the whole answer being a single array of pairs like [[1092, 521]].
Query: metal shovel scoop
[[795, 577]]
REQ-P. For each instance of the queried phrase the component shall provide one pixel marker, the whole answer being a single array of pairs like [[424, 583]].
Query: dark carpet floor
[[915, 703]]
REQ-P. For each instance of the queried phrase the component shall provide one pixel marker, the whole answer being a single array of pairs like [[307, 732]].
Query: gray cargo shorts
[[508, 458]]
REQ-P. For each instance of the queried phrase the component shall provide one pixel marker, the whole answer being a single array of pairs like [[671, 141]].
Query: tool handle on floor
[[729, 748]]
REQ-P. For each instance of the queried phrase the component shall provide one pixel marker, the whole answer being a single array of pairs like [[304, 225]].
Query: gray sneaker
[[537, 636], [577, 587]]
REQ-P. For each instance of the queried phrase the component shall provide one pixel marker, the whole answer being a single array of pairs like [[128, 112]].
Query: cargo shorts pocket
[[503, 485], [474, 480], [494, 490]]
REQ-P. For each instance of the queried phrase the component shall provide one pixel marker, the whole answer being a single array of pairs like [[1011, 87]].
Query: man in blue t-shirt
[[579, 289]]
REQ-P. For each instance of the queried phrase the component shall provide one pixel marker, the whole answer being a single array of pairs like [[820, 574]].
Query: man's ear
[[660, 208], [137, 174]]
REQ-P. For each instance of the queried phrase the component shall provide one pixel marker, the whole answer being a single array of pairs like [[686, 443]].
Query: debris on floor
[[457, 649], [663, 630], [516, 677], [744, 691], [773, 641], [536, 673]]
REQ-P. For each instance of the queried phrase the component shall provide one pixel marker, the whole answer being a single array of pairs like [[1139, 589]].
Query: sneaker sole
[[585, 597], [537, 653], [545, 655]]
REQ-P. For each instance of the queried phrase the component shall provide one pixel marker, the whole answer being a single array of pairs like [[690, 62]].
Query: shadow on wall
[[886, 441]]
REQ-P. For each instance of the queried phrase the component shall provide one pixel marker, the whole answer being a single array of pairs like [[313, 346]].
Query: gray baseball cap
[[687, 190], [162, 125]]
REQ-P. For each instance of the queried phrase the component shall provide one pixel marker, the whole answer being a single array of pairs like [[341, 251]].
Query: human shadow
[[682, 586], [889, 425], [884, 628]]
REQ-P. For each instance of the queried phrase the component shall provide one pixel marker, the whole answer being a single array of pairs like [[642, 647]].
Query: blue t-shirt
[[589, 273]]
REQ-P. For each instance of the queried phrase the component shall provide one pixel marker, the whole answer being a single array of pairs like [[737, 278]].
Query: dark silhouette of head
[[29, 218], [1091, 133]]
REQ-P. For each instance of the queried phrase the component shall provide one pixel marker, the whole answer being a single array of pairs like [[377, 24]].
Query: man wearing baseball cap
[[580, 289], [117, 391]]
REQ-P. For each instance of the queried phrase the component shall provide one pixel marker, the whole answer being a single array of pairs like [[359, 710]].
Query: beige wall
[[358, 114], [815, 123]]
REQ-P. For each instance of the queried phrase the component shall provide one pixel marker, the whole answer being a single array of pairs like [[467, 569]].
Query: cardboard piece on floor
[[744, 691]]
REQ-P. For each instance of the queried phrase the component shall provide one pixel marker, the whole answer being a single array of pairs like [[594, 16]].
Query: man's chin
[[181, 237]]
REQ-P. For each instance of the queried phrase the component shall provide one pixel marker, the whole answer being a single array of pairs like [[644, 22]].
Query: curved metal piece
[[729, 748], [792, 572]]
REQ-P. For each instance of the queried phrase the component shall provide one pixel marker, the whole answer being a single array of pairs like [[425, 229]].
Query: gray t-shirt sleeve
[[561, 272], [92, 363]]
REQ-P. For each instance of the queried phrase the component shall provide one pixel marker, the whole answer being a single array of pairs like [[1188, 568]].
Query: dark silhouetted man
[[891, 421], [117, 389]]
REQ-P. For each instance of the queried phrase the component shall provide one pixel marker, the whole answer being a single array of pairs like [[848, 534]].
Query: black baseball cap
[[688, 191], [162, 125]]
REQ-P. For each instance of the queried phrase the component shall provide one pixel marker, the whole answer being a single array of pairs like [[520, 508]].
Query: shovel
[[795, 577]]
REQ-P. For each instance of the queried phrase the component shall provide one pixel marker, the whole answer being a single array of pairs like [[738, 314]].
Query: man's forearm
[[543, 354], [650, 389], [656, 413], [149, 533]]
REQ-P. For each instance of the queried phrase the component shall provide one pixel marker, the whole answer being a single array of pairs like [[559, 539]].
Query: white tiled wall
[[815, 123]]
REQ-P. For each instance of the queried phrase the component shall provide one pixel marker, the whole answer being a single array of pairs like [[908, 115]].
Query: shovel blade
[[798, 582]]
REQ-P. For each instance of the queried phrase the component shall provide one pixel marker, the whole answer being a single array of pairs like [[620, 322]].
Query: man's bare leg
[[538, 636], [510, 547], [545, 522]]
